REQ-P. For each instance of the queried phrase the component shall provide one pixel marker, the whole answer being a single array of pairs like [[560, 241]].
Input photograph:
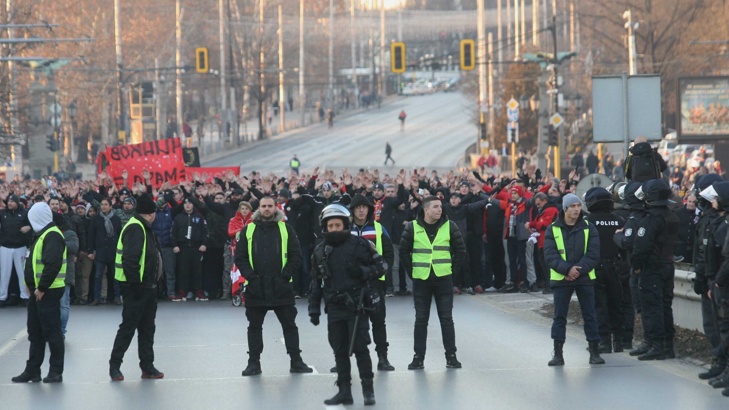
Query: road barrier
[[686, 303]]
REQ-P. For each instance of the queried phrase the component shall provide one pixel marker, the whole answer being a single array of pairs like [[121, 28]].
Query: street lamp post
[[71, 142]]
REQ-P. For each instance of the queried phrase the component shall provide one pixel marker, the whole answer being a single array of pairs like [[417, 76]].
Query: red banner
[[162, 158], [208, 173]]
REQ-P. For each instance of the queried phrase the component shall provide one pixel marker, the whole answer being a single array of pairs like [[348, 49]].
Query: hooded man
[[14, 237], [45, 277]]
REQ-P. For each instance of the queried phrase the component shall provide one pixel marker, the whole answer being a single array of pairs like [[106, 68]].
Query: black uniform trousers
[[656, 299], [627, 306], [340, 333], [137, 316], [424, 291], [189, 265], [212, 276], [608, 300], [379, 329], [286, 315], [709, 315], [44, 326]]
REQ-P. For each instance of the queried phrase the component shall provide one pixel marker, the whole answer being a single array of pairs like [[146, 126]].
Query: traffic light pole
[[555, 96], [55, 151]]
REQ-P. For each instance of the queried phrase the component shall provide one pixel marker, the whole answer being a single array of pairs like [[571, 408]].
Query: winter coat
[[198, 230], [269, 284], [457, 245], [99, 243], [574, 246], [52, 256], [132, 241], [522, 216], [544, 218], [72, 246], [10, 224], [302, 214], [162, 226]]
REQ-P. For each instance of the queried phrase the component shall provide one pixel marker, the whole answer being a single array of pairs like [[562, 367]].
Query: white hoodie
[[40, 216]]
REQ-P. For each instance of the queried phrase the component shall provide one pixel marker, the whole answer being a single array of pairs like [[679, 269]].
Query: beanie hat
[[518, 190], [14, 198], [568, 200], [284, 193], [130, 200], [145, 205]]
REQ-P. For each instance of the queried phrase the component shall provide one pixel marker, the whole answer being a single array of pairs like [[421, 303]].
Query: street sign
[[512, 104], [512, 115], [556, 120], [55, 110], [55, 121]]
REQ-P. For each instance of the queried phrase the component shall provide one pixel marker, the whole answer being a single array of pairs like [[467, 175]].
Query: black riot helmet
[[597, 198], [722, 194], [703, 182], [629, 196], [657, 192]]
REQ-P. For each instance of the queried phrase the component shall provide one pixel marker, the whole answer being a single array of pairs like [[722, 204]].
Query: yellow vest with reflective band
[[294, 163], [284, 243], [559, 240], [38, 264], [118, 267], [436, 254]]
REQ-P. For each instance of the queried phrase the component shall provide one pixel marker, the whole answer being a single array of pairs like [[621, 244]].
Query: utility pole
[[353, 35], [555, 90], [492, 142], [572, 25], [522, 24], [223, 71], [261, 75], [632, 55], [16, 153], [178, 69], [157, 99], [302, 90], [383, 63], [281, 97], [509, 39], [480, 61], [535, 23], [330, 89], [517, 31], [121, 130], [500, 31]]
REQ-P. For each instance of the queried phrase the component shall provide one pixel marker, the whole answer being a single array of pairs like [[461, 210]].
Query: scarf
[[107, 224]]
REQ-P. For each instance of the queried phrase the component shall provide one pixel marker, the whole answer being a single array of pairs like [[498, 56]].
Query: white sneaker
[[491, 289]]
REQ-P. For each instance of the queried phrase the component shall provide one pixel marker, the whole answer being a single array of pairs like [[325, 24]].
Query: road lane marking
[[14, 341]]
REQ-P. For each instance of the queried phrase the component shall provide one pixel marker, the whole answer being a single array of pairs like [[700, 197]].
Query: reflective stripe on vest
[[38, 264], [557, 231], [284, 244], [118, 266], [436, 254]]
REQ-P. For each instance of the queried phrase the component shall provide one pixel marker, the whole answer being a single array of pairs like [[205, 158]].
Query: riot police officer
[[719, 291], [608, 292], [624, 238], [652, 259], [343, 265], [710, 233]]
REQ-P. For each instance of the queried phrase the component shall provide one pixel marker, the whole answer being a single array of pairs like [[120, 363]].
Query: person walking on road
[[45, 277], [431, 250], [268, 255], [402, 117], [388, 153], [344, 267], [294, 163], [138, 269], [572, 251]]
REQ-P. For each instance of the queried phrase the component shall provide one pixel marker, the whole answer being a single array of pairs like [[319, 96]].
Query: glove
[[700, 286], [314, 319], [478, 176], [136, 291]]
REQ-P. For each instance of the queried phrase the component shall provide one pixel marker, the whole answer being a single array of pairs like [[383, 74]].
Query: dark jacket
[[458, 246], [302, 214], [338, 277], [99, 242], [574, 246], [459, 214], [722, 276], [388, 208], [77, 225], [10, 224], [162, 226], [626, 237], [269, 284], [198, 230], [367, 230], [522, 213], [708, 244], [217, 224], [644, 163], [72, 247], [54, 245], [132, 242], [655, 240], [687, 221], [606, 223]]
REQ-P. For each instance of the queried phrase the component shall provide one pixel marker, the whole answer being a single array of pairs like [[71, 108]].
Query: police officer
[[45, 277], [652, 260], [189, 241], [572, 251], [431, 250], [608, 292], [343, 267], [710, 233], [719, 291], [138, 268], [624, 239]]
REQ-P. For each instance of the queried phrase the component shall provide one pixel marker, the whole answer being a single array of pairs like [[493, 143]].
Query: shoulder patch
[[641, 232], [629, 232]]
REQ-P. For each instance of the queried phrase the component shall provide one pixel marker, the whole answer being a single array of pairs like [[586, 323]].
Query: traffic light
[[468, 56], [553, 136], [482, 134], [51, 143], [202, 65], [398, 57]]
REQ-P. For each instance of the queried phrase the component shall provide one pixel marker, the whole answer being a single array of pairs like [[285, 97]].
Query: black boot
[[368, 391], [557, 358], [642, 349], [594, 348], [53, 378], [670, 351], [298, 365], [254, 368], [656, 352], [26, 377], [383, 364], [717, 366], [417, 363], [605, 346], [627, 341], [721, 381], [452, 362], [344, 396]]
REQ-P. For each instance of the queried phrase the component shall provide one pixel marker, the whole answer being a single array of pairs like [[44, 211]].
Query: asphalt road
[[438, 129], [503, 345]]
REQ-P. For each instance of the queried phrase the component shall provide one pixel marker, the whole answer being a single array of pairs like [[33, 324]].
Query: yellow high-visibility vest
[[284, 243], [559, 240], [118, 268], [38, 265], [435, 255]]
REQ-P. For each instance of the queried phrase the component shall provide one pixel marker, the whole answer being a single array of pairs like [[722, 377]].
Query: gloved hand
[[314, 319], [700, 286], [136, 291]]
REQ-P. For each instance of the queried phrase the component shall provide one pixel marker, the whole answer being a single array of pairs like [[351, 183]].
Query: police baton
[[359, 312]]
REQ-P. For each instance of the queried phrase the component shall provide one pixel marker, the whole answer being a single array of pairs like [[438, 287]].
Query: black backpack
[[643, 163]]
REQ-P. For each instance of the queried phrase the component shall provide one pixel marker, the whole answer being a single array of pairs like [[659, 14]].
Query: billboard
[[703, 109]]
